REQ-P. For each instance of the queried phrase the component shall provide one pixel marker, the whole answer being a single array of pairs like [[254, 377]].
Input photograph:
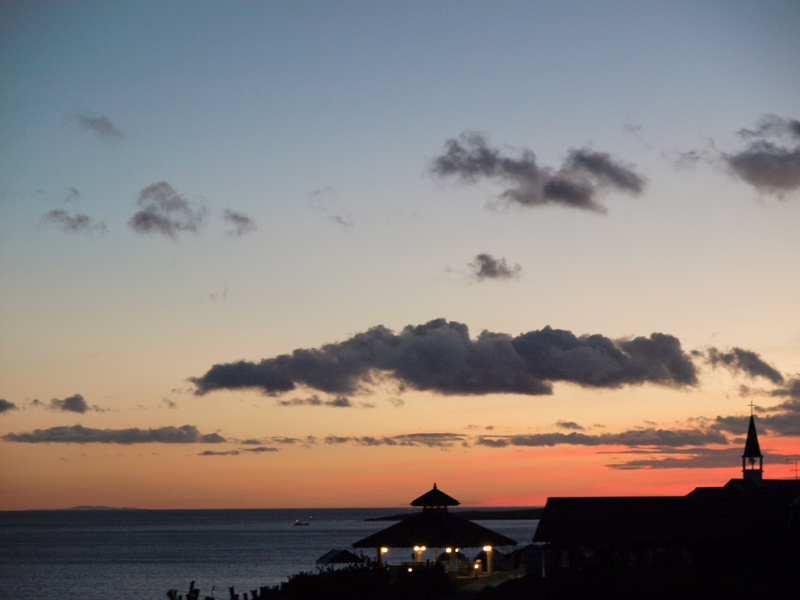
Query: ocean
[[140, 554]]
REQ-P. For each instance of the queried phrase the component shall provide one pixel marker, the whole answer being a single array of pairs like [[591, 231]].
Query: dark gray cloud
[[430, 440], [440, 356], [337, 402], [75, 404], [5, 406], [694, 458], [77, 434], [570, 425], [770, 162], [583, 176], [166, 212], [486, 266], [259, 450], [238, 223], [783, 420], [72, 195], [73, 223], [790, 389], [745, 361], [689, 458], [100, 125], [669, 438]]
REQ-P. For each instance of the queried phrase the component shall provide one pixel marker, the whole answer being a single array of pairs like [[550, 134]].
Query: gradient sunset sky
[[324, 254]]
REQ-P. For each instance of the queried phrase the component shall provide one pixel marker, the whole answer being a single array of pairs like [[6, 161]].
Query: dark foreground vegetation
[[357, 582], [747, 584]]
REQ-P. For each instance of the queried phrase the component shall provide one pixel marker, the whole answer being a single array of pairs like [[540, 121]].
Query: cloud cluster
[[73, 223], [5, 406], [486, 266], [166, 212], [77, 434], [100, 125], [238, 223], [770, 161], [577, 183], [440, 356]]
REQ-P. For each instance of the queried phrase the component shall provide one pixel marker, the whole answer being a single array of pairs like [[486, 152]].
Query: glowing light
[[448, 550], [384, 550], [487, 548]]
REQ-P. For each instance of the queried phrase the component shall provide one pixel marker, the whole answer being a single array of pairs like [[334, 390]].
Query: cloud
[[771, 160], [74, 403], [693, 458], [633, 437], [5, 406], [439, 356], [169, 403], [72, 195], [100, 125], [576, 184], [337, 402], [570, 425], [73, 223], [745, 361], [77, 434], [791, 390], [166, 212], [238, 223], [259, 450], [430, 440], [487, 266]]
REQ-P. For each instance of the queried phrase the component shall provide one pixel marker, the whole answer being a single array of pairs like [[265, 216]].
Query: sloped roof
[[435, 498], [672, 520], [751, 448], [435, 529]]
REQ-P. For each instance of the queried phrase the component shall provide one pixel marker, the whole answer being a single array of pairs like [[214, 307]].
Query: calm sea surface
[[140, 554]]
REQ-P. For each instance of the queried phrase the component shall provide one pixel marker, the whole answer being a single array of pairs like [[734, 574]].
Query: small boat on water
[[299, 523]]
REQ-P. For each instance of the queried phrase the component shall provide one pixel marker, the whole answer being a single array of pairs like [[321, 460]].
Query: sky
[[316, 254]]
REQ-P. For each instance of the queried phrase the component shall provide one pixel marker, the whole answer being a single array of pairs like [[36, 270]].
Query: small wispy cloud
[[73, 223], [486, 266], [238, 223], [98, 124]]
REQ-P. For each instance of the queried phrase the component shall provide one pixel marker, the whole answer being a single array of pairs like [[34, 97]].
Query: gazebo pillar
[[489, 559], [381, 557]]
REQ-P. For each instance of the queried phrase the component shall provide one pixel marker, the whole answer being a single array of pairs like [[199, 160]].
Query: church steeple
[[752, 451]]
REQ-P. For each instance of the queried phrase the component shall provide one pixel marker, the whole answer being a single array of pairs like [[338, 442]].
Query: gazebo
[[435, 527]]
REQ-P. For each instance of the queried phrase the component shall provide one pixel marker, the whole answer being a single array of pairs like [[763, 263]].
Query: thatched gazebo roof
[[435, 498], [435, 527]]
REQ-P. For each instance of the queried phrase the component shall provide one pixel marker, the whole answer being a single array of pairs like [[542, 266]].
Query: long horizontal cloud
[[258, 450], [633, 437], [431, 440], [77, 434], [576, 184], [337, 402], [771, 160], [440, 356]]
